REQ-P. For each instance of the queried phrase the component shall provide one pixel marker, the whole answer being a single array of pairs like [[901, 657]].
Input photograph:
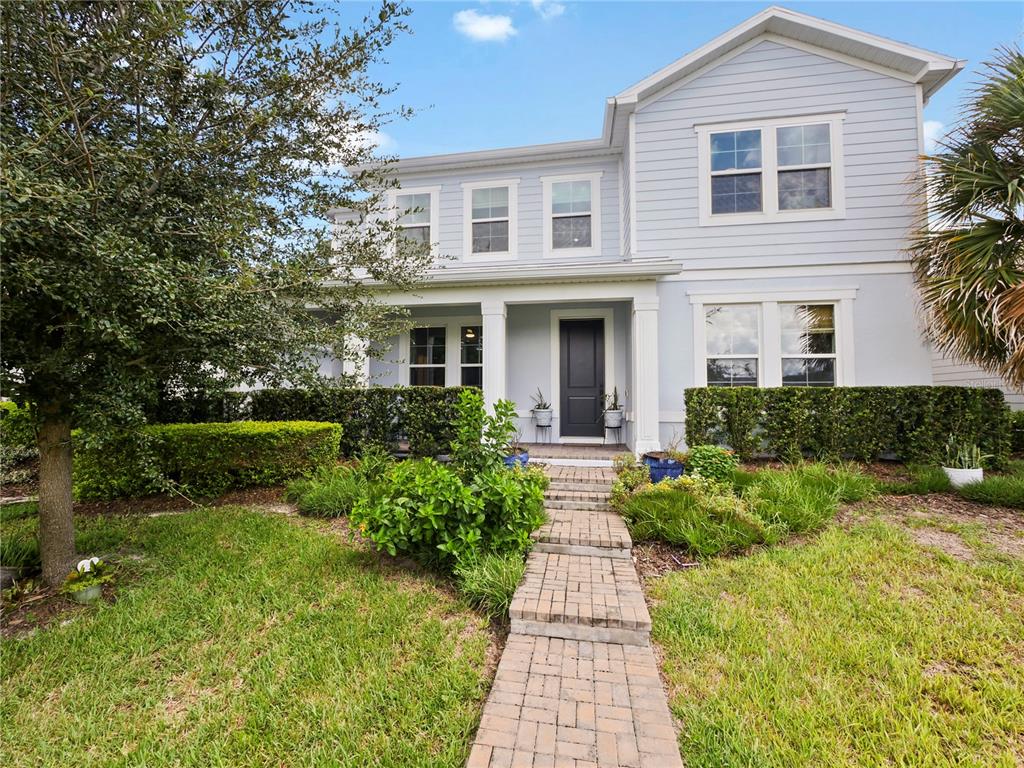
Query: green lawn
[[855, 647], [239, 638]]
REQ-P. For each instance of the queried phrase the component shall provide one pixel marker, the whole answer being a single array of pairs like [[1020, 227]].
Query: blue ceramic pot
[[663, 469], [517, 459]]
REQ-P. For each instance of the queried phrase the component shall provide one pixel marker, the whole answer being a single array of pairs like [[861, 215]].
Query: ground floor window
[[732, 344], [808, 345], [427, 356], [472, 356]]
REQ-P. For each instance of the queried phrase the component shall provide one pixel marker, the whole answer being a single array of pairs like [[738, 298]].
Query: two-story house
[[741, 220]]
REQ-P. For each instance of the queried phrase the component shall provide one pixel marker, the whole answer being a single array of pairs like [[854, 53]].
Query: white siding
[[531, 219], [771, 80], [946, 370], [626, 201]]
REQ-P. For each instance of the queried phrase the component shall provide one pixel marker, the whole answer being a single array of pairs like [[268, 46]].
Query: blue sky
[[498, 74]]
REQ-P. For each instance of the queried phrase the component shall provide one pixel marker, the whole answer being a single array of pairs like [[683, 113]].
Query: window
[[808, 345], [472, 356], [732, 340], [781, 169], [427, 356], [490, 215], [573, 222], [417, 214], [736, 172], [805, 166]]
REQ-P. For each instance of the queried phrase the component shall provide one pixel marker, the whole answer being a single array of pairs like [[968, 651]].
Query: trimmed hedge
[[198, 408], [1017, 431], [17, 429], [201, 459], [376, 416], [912, 423]]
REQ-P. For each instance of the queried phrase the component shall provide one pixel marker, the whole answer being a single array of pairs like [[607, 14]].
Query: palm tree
[[968, 249]]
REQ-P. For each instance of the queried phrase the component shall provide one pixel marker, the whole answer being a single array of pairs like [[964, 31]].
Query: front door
[[582, 376]]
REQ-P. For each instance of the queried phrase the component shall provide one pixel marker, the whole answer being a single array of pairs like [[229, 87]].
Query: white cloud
[[933, 131], [483, 27], [547, 9], [377, 139]]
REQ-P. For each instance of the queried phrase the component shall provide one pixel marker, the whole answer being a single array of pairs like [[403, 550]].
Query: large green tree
[[969, 250], [164, 176]]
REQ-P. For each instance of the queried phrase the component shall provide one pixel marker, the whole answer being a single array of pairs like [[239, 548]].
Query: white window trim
[[595, 215], [452, 352], [770, 360], [435, 199], [513, 220], [769, 171], [759, 355]]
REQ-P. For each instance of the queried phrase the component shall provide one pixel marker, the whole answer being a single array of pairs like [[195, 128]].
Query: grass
[[924, 479], [490, 582], [858, 645], [330, 493], [240, 638], [997, 490]]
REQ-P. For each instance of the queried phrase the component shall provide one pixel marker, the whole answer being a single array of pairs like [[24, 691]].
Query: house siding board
[[880, 146], [949, 372], [531, 217]]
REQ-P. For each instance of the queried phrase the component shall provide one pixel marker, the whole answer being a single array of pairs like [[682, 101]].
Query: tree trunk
[[56, 525]]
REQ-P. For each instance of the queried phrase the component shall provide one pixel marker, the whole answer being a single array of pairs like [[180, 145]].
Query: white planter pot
[[542, 417], [958, 478], [613, 419]]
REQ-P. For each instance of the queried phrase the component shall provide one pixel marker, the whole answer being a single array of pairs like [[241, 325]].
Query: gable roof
[[912, 64]]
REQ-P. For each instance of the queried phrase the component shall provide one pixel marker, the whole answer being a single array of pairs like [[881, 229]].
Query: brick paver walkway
[[578, 684]]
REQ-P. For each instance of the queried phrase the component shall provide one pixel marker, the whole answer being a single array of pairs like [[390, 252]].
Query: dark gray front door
[[582, 375]]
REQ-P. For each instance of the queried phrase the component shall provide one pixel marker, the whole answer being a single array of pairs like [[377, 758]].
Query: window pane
[[805, 189], [732, 372], [731, 329], [426, 377], [490, 237], [426, 346], [570, 197], [808, 329], [736, 194], [417, 235], [412, 203], [813, 372], [472, 344], [472, 376], [491, 203], [735, 150], [570, 232], [803, 144]]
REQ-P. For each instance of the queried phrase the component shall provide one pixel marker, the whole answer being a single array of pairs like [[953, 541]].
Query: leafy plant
[[490, 581], [611, 401], [481, 441], [90, 572], [540, 403], [630, 476], [19, 551], [712, 462], [961, 455]]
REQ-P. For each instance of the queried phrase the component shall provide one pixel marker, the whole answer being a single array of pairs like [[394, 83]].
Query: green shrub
[[513, 506], [201, 459], [1017, 431], [17, 427], [997, 490], [712, 462], [197, 407], [630, 475], [703, 517], [913, 423], [490, 581], [331, 492]]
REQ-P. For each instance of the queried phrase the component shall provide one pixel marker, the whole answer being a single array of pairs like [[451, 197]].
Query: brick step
[[562, 485], [579, 506], [587, 528], [560, 495], [581, 597]]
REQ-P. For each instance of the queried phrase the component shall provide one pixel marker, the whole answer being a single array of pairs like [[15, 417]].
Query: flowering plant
[[88, 573]]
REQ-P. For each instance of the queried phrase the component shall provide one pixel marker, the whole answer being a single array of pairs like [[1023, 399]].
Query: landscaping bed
[[237, 637]]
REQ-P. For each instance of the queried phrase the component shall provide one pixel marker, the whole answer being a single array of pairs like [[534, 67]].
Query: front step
[[579, 506], [561, 495], [562, 485], [579, 597]]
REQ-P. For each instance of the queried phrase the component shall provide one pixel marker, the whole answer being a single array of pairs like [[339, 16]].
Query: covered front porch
[[578, 344]]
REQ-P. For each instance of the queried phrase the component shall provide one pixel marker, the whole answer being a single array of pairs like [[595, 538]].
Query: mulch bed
[[42, 607], [654, 558]]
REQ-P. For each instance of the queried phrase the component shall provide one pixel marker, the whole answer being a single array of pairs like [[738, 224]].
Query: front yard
[[239, 637], [893, 638]]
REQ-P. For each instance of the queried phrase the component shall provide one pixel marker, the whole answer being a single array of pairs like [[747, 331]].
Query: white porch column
[[359, 366], [646, 405], [493, 313]]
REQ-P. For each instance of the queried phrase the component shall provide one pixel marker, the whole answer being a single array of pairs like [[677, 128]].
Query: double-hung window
[[490, 215], [427, 356], [471, 358], [808, 345], [781, 169], [572, 215], [732, 338], [417, 215]]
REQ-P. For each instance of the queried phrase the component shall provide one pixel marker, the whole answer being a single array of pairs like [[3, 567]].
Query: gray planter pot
[[613, 419], [89, 595], [542, 417]]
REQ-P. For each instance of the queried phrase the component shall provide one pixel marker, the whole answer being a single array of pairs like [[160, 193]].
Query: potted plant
[[612, 410], [963, 463], [517, 454], [85, 584], [541, 409], [665, 465]]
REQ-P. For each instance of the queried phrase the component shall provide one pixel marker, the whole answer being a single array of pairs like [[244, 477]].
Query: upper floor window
[[490, 215], [572, 218], [783, 169], [417, 214]]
